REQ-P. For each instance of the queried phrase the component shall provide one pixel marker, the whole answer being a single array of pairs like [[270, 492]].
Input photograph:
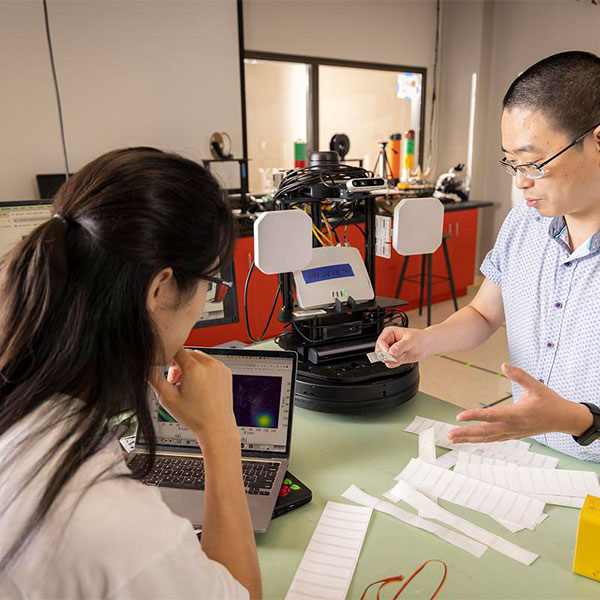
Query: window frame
[[313, 63]]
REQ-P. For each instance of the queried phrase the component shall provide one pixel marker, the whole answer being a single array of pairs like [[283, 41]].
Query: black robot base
[[354, 386]]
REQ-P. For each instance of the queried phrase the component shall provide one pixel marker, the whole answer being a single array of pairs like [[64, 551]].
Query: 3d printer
[[331, 313]]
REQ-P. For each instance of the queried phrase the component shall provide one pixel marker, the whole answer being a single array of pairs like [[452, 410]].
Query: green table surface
[[329, 452]]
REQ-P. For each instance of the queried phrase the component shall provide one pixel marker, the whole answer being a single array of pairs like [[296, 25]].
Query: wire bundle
[[299, 180]]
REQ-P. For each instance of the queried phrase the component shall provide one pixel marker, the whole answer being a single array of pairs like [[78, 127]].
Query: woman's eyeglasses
[[217, 289], [534, 170]]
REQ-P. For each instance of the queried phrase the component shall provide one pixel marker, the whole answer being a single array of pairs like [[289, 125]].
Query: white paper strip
[[527, 459], [441, 438], [516, 528], [472, 493], [556, 482], [448, 460], [330, 558], [570, 501], [417, 500], [457, 539], [427, 445]]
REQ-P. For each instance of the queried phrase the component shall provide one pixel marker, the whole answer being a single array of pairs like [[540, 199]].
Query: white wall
[[131, 72]]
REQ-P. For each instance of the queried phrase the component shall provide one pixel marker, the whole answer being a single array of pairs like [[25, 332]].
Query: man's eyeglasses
[[536, 171], [217, 289]]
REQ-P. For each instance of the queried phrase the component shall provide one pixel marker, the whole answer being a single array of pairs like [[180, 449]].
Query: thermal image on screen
[[164, 416], [256, 400]]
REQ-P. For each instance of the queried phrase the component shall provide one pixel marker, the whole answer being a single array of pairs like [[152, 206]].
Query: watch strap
[[593, 433]]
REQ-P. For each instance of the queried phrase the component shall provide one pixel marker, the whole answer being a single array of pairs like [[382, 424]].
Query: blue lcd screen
[[328, 272]]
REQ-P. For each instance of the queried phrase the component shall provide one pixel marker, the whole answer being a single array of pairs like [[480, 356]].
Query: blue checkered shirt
[[552, 307]]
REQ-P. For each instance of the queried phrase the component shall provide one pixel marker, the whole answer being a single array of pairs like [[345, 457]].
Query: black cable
[[307, 339], [60, 115], [264, 331]]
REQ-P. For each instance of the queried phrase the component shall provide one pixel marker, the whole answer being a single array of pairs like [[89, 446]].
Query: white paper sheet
[[417, 500], [427, 445], [472, 493], [523, 480], [527, 459], [355, 494], [441, 438], [329, 561]]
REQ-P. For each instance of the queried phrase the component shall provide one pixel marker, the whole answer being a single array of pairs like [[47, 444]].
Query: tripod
[[385, 165]]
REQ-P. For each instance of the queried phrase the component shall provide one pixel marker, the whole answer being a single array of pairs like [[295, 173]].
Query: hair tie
[[62, 219]]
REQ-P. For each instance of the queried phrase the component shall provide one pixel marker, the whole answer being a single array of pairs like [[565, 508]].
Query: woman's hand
[[405, 345], [202, 397]]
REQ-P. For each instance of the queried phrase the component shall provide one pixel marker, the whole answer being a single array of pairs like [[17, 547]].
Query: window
[[291, 98], [276, 113], [367, 105]]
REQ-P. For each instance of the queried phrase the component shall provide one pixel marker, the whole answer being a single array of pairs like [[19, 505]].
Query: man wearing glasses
[[543, 275]]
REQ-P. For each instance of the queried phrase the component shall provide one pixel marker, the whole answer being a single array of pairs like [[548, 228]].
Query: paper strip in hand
[[522, 480], [329, 561], [427, 445], [441, 438], [457, 539], [472, 493], [408, 494], [380, 356], [527, 459]]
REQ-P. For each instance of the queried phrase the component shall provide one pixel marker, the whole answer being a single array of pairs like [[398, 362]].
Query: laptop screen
[[263, 386]]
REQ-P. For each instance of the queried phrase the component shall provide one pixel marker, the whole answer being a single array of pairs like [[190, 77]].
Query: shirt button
[[541, 380], [550, 345], [558, 305], [568, 264]]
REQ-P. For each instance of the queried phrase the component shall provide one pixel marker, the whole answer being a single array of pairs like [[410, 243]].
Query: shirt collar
[[558, 231]]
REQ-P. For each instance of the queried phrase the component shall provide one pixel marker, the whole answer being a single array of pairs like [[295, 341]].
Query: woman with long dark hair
[[92, 302]]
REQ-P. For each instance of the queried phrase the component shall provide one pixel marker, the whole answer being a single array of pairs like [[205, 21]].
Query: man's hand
[[539, 410], [405, 345]]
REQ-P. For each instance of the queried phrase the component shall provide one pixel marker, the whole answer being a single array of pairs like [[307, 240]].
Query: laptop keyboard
[[188, 473]]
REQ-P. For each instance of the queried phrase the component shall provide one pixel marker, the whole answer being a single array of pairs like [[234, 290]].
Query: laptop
[[263, 397]]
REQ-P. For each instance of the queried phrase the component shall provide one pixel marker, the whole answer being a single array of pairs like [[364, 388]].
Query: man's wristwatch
[[593, 433]]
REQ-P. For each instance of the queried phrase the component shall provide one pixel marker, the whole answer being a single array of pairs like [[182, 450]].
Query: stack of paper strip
[[329, 561], [554, 486], [481, 496]]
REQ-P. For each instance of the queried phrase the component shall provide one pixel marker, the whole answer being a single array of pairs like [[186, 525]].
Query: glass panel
[[368, 106], [276, 109]]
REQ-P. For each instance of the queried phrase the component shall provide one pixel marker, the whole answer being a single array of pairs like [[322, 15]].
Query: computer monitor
[[18, 218], [49, 184], [224, 312]]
